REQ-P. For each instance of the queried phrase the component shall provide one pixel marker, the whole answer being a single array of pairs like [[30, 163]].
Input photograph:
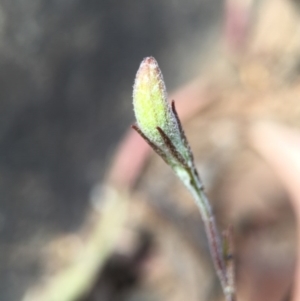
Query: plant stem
[[214, 240]]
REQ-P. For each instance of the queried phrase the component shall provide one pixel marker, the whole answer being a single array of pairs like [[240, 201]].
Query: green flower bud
[[157, 120], [151, 106]]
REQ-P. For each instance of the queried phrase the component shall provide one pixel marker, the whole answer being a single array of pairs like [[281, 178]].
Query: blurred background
[[66, 76], [87, 212]]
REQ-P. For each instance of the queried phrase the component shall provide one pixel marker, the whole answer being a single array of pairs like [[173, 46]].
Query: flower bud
[[151, 106]]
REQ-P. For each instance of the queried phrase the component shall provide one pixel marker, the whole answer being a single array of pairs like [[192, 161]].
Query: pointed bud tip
[[149, 61], [148, 70]]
